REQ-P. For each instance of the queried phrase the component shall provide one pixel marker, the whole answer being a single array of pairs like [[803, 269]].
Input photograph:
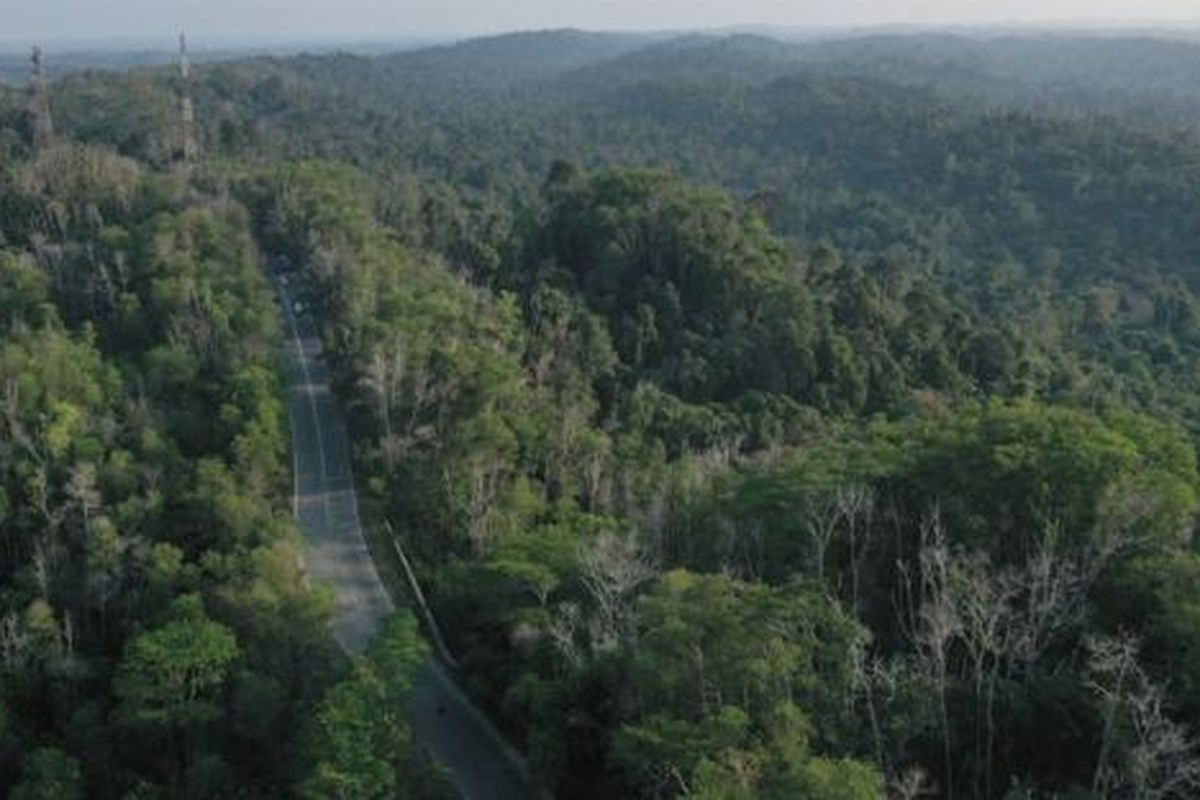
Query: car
[[298, 307]]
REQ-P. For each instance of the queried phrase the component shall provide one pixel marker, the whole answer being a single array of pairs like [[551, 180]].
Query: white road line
[[312, 406]]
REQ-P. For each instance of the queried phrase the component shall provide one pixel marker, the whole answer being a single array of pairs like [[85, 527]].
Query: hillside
[[1125, 76], [762, 418]]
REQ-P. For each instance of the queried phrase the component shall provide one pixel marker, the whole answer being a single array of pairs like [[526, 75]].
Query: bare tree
[[1001, 621], [481, 482], [14, 642], [936, 624], [597, 485], [381, 378], [1165, 762], [406, 395], [1160, 761], [856, 505], [823, 517], [83, 495], [612, 569], [740, 548], [563, 447], [13, 424], [1052, 588], [47, 548], [847, 512], [913, 784], [564, 633], [1112, 664], [866, 674], [983, 601]]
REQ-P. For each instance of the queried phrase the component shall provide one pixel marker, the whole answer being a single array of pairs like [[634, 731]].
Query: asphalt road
[[480, 764]]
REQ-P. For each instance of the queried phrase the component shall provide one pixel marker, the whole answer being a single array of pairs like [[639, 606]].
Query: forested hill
[[765, 419], [1148, 77], [1007, 211], [503, 60], [743, 112]]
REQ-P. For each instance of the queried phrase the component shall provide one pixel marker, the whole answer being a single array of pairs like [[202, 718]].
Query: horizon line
[[220, 40]]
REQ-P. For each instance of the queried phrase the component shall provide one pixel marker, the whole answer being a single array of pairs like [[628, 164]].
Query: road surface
[[480, 764]]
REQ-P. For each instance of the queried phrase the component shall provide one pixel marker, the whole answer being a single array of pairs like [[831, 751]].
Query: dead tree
[[612, 568], [934, 623], [857, 506], [1158, 761], [847, 512], [823, 518], [983, 599]]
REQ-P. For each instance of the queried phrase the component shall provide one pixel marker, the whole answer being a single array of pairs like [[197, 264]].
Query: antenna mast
[[188, 147], [39, 104]]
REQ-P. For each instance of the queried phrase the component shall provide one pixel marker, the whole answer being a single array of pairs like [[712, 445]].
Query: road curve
[[481, 765]]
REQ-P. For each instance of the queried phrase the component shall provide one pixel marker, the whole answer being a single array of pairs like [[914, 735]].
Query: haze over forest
[[276, 21]]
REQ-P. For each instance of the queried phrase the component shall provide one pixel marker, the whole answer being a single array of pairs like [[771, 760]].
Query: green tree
[[49, 774], [174, 675], [721, 670], [360, 738]]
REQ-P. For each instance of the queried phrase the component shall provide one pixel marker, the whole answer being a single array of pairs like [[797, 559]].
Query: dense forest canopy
[[765, 418]]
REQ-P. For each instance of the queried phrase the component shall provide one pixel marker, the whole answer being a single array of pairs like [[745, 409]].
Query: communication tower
[[41, 125]]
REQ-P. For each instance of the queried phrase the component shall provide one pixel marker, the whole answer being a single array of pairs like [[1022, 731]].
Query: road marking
[[369, 603], [312, 405]]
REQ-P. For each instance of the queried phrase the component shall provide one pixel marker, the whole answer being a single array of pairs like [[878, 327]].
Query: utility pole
[[41, 125], [188, 148]]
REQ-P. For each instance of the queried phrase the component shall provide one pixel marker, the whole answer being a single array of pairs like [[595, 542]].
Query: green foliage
[[49, 774], [706, 639], [839, 448], [142, 459], [1010, 472], [696, 291], [825, 779], [717, 668], [361, 742], [1156, 595], [174, 675], [24, 290], [1002, 478]]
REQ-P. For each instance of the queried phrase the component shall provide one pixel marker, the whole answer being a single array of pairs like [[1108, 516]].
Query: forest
[[765, 418]]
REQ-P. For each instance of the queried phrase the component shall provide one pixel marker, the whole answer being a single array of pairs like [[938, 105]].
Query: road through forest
[[480, 764]]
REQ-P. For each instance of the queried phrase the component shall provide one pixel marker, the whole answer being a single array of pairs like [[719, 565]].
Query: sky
[[24, 20]]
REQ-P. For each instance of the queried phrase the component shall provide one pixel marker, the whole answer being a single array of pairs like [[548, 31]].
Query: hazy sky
[[64, 19]]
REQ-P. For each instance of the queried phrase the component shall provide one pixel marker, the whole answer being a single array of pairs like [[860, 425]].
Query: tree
[[726, 675], [173, 679], [612, 568], [174, 674], [1143, 752], [360, 739], [836, 779], [49, 774]]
